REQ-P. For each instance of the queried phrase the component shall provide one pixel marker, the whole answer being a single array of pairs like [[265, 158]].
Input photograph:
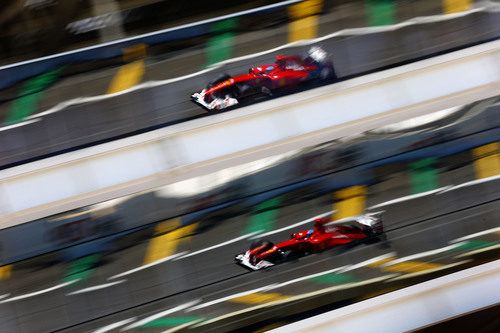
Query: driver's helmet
[[309, 233], [318, 223], [281, 61], [269, 69]]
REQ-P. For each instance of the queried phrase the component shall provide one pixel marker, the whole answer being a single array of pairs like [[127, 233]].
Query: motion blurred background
[[35, 28], [80, 251], [191, 40]]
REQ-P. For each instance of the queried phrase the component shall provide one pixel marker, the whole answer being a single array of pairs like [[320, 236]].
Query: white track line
[[367, 262], [472, 182], [40, 292], [296, 298], [98, 287], [437, 191], [6, 128], [422, 254], [154, 263], [279, 285], [282, 284], [217, 245], [160, 314], [180, 327], [114, 325], [477, 234], [223, 299], [410, 197]]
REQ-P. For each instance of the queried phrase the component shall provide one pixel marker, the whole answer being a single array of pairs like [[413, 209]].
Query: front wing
[[215, 104], [243, 259]]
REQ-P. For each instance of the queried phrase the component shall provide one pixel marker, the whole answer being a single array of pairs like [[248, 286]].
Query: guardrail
[[412, 307], [86, 121], [181, 151]]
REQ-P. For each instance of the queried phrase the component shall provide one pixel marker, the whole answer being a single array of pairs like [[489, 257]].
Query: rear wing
[[371, 222], [317, 54]]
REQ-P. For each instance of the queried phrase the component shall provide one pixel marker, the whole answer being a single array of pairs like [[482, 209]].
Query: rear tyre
[[327, 73], [285, 256]]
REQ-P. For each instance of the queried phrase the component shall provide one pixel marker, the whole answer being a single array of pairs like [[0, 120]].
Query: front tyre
[[285, 256]]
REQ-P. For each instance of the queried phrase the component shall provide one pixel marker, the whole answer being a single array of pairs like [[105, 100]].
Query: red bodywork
[[285, 73], [311, 241]]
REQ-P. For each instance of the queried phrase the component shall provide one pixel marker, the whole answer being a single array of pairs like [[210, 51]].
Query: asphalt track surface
[[198, 285]]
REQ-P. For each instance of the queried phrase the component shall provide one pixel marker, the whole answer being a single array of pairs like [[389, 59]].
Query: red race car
[[288, 72], [325, 235]]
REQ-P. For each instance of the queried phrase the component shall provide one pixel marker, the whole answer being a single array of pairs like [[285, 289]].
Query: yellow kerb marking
[[5, 272], [305, 20], [258, 298], [349, 202], [487, 163], [166, 243], [128, 76], [456, 6], [305, 28], [134, 52], [379, 263], [406, 266], [411, 267]]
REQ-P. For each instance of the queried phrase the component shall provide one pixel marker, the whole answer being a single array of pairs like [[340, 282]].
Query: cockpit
[[302, 235], [269, 69], [289, 63], [262, 70]]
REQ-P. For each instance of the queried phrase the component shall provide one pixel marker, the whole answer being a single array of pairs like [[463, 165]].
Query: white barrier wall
[[126, 166], [413, 307]]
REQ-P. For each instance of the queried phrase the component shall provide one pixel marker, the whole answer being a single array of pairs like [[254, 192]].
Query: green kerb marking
[[423, 175], [334, 279], [474, 245], [220, 47], [264, 217], [164, 322], [380, 12], [81, 268], [29, 95]]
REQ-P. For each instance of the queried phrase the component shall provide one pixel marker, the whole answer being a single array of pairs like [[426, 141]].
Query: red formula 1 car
[[288, 72], [323, 236]]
